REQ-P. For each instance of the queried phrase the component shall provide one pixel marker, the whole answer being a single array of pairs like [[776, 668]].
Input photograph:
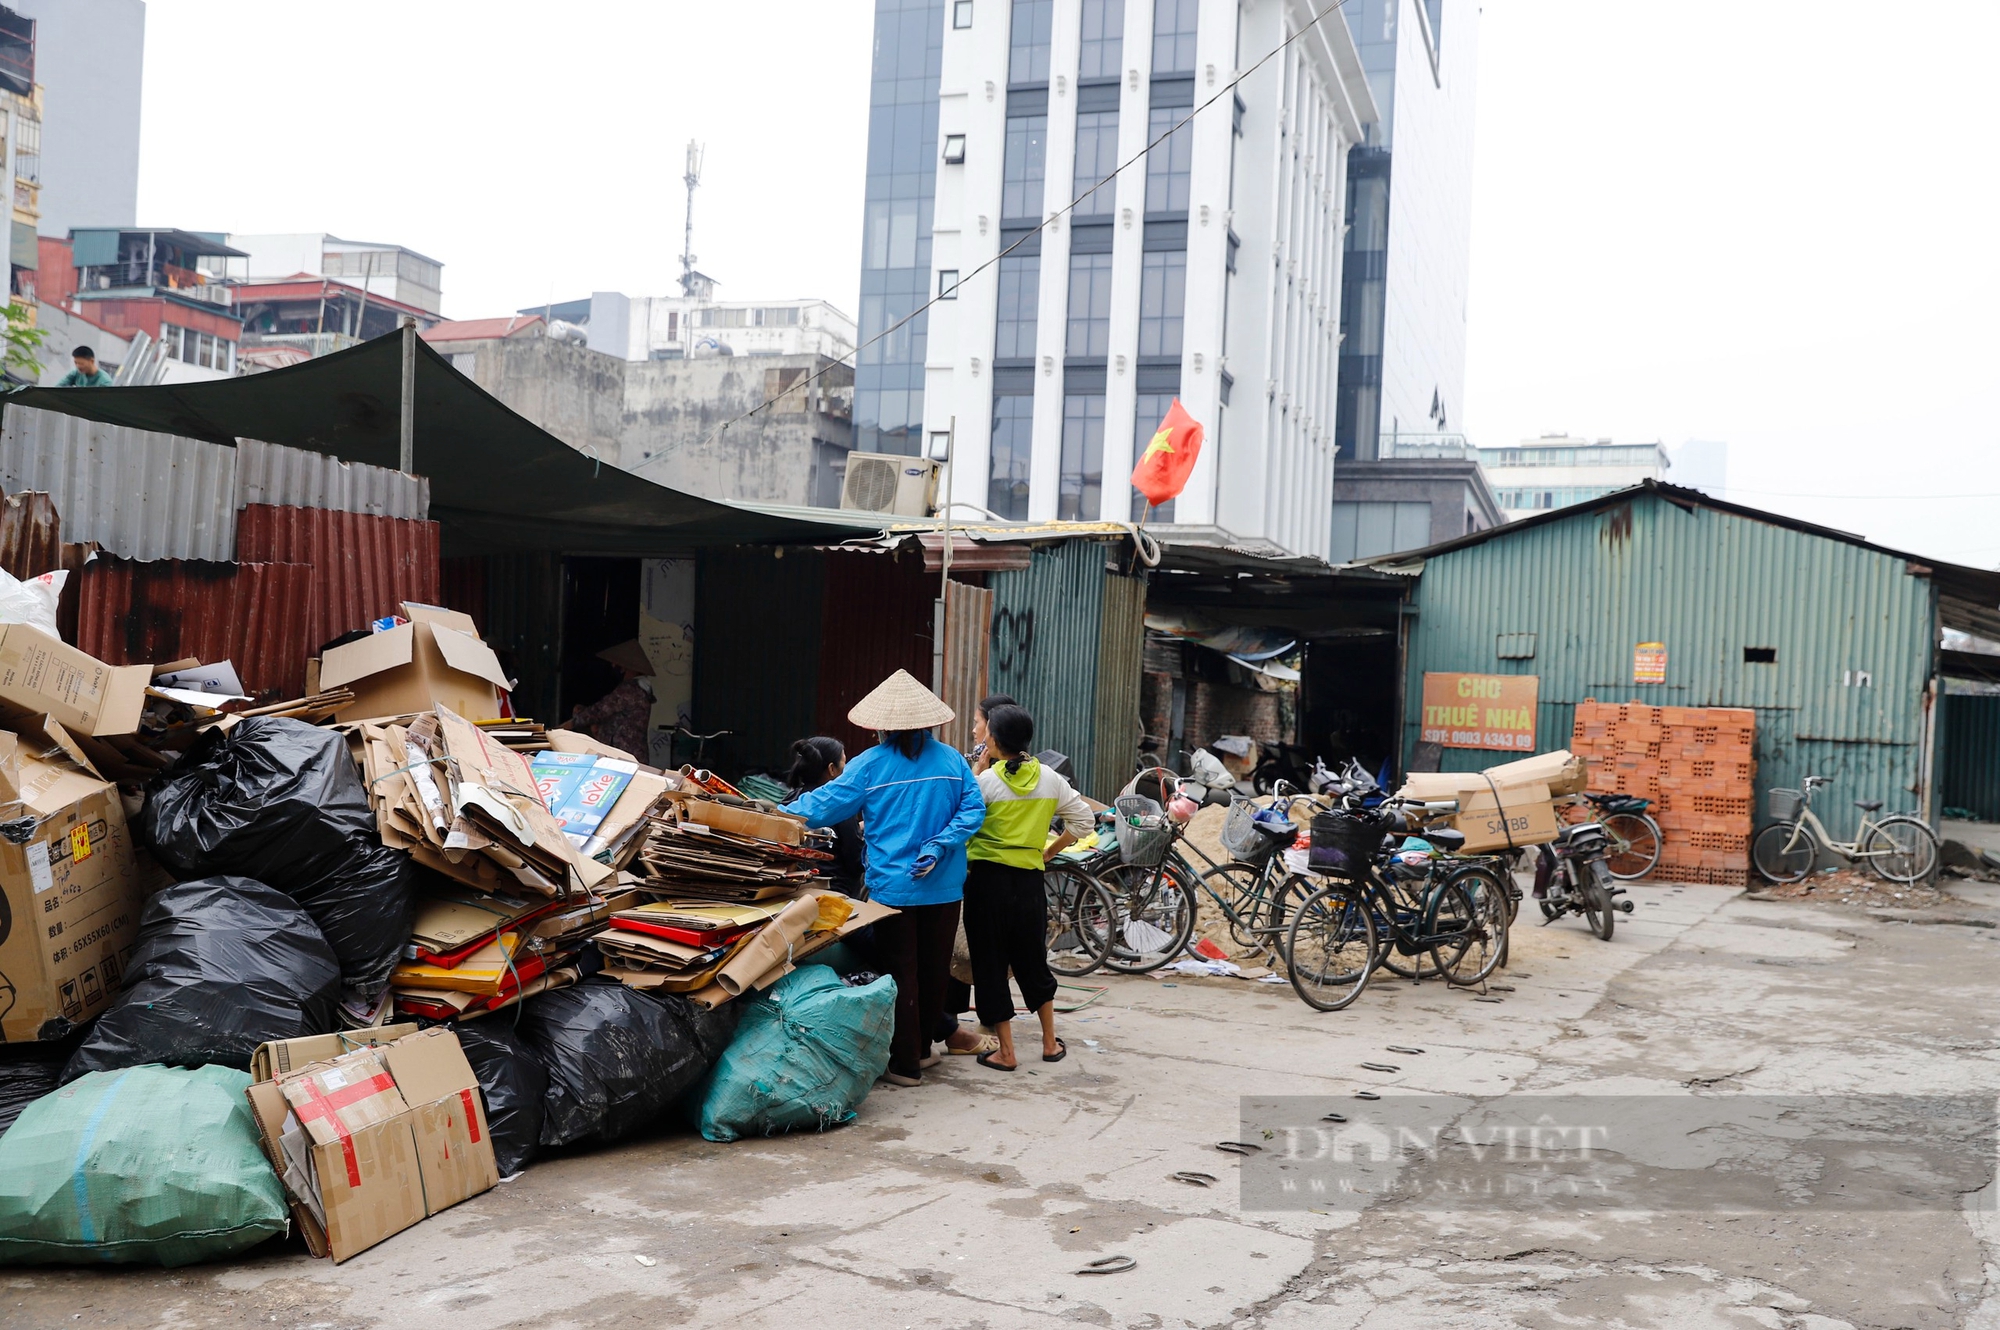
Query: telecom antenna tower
[[691, 179]]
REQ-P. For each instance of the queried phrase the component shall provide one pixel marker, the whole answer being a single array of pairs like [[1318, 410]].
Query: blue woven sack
[[804, 1057]]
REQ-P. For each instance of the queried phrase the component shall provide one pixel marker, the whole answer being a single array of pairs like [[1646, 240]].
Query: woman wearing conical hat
[[920, 803]]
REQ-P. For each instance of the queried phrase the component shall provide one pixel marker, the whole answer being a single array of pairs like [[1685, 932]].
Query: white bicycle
[[1900, 848]]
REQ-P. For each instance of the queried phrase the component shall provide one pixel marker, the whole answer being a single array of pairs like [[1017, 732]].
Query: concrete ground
[[971, 1201]]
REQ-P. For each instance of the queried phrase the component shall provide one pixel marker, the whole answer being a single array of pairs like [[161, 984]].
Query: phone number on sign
[[1480, 738]]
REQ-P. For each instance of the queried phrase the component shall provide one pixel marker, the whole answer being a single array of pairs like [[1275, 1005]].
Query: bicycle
[[1636, 839], [1334, 944], [680, 732], [1079, 919], [1899, 848]]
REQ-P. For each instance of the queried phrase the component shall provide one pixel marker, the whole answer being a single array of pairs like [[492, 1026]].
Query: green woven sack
[[148, 1164], [803, 1057]]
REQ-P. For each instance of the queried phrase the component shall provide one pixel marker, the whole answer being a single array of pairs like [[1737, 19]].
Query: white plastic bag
[[32, 602]]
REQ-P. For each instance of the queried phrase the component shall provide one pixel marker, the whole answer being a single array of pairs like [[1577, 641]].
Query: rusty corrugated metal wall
[[876, 618], [968, 646], [256, 615], [31, 544], [1047, 633], [364, 567], [516, 599], [1121, 648]]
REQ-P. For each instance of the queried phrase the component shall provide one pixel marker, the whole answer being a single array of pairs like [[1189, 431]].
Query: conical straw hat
[[899, 702]]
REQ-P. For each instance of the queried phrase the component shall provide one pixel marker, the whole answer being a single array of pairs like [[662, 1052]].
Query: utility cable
[[798, 386]]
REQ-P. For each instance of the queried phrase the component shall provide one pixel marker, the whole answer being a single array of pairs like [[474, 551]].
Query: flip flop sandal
[[1333, 1117], [1109, 1265], [1400, 1048], [986, 1060], [1378, 1066], [1193, 1179], [987, 1044], [1239, 1147], [1062, 1051], [1366, 1094], [927, 1063]]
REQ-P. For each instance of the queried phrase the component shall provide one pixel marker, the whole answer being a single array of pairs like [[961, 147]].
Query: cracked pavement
[[971, 1201]]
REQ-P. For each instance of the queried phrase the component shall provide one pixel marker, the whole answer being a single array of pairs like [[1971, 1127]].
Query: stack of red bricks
[[1698, 766]]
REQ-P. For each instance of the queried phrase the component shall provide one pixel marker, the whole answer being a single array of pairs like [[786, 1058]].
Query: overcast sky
[[1769, 222]]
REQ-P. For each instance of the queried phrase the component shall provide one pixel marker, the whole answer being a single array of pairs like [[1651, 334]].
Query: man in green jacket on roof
[[86, 374]]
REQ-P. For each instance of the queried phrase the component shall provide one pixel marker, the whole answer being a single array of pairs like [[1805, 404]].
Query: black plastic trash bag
[[280, 801], [27, 1072], [513, 1083], [222, 965], [617, 1059]]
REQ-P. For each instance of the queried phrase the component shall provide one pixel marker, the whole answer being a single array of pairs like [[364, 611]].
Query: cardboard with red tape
[[376, 1140]]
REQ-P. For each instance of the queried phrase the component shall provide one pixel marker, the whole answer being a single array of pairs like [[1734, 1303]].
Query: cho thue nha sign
[[1481, 711]]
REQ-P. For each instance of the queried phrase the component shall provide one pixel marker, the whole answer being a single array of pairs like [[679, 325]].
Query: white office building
[[381, 269], [690, 326], [1556, 471], [1210, 270]]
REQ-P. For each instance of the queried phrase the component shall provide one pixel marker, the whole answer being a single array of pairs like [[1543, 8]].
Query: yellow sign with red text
[[1481, 711]]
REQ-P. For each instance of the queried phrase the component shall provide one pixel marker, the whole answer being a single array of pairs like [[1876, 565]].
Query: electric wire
[[800, 385]]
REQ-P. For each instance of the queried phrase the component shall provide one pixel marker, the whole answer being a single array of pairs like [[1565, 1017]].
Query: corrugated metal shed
[[363, 567], [294, 478], [137, 494], [968, 646], [877, 618], [255, 615], [1969, 756], [1047, 631], [31, 544], [1852, 629], [1121, 647], [516, 599], [757, 625]]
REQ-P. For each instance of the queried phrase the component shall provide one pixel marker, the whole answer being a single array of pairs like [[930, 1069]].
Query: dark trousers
[[914, 946], [1006, 928], [957, 998]]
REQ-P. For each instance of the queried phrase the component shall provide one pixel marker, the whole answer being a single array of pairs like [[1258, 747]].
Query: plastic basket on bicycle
[[1344, 843], [1144, 834], [1252, 834], [1786, 805]]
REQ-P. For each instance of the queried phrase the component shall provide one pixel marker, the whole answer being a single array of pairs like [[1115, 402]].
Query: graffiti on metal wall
[[1013, 640]]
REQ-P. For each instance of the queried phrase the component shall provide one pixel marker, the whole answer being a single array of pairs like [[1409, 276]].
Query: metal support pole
[[408, 463], [941, 618]]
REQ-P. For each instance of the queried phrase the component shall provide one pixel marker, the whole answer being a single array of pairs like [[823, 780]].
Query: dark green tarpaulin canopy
[[498, 482]]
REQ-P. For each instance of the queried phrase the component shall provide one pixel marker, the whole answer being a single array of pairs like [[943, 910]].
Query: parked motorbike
[[1573, 876]]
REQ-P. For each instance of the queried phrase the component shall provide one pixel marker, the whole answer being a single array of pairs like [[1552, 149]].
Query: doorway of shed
[[1348, 699], [600, 609]]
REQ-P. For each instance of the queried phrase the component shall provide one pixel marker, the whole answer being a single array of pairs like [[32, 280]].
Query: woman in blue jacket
[[919, 803]]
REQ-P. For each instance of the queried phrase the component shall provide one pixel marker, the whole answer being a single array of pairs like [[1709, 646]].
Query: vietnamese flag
[[1163, 468]]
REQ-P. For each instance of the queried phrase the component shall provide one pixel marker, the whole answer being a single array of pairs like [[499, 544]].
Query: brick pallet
[[1697, 764]]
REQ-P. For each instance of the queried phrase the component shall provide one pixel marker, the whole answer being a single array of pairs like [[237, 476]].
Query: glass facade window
[[1028, 42], [1362, 530], [1162, 302], [1357, 423], [1081, 492], [1089, 306], [1173, 36], [1007, 483], [1024, 166], [896, 224], [1103, 39], [1169, 165], [1014, 325], [1096, 159], [1150, 410]]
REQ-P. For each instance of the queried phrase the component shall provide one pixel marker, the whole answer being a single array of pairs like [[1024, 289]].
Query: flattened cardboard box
[[69, 899], [385, 1177], [40, 674]]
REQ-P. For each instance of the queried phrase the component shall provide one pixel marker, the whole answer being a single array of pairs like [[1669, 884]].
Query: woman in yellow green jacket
[[1006, 905]]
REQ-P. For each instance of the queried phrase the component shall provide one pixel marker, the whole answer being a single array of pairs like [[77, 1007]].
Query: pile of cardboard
[[371, 1132], [1697, 764], [698, 844], [1508, 806]]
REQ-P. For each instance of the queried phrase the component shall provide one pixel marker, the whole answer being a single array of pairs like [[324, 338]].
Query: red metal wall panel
[[878, 619], [363, 566], [256, 615]]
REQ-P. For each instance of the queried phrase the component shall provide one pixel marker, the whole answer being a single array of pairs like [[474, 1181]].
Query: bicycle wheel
[[1330, 947], [1483, 897], [1152, 914], [1635, 844], [1079, 921], [1404, 914], [1900, 849], [1784, 852], [1597, 911], [1234, 887]]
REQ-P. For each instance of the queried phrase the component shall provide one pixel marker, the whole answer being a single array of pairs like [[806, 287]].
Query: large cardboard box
[[282, 1057], [353, 1186], [70, 894], [1506, 817], [43, 675], [436, 659]]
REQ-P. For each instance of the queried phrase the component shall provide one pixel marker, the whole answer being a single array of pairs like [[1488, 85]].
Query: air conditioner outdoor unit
[[890, 483]]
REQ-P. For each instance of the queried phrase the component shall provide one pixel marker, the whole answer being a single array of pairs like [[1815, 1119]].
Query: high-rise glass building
[[1079, 303]]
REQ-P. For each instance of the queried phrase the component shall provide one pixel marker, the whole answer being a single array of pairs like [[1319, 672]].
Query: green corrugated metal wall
[[1707, 584], [1969, 757], [1120, 652], [1047, 636]]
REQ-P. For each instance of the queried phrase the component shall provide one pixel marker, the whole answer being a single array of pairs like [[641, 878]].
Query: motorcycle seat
[[1869, 805], [1446, 839]]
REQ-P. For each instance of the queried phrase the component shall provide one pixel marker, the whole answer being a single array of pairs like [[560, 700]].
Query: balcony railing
[[313, 344], [1434, 447]]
